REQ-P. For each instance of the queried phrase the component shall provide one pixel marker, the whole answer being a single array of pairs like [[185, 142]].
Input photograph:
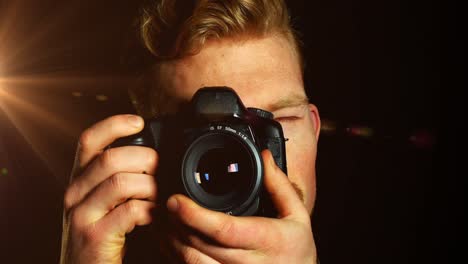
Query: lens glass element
[[221, 171]]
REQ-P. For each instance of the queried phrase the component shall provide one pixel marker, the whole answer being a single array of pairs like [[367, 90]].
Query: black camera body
[[210, 151]]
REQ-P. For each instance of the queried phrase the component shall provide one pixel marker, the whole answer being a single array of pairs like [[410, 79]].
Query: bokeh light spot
[[101, 97], [77, 94]]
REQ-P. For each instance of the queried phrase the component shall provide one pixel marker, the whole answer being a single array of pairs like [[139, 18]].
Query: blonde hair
[[173, 29]]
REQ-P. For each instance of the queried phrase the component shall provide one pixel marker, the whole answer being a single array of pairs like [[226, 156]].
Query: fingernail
[[172, 204], [135, 121]]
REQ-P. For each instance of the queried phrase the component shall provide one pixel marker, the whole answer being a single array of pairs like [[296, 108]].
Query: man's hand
[[111, 191], [205, 236]]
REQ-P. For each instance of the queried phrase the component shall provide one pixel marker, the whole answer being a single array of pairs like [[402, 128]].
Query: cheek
[[301, 170], [300, 157]]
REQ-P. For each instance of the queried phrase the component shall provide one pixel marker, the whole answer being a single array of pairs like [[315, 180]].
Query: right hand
[[110, 192]]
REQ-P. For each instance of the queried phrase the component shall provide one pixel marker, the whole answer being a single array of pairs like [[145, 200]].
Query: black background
[[370, 63]]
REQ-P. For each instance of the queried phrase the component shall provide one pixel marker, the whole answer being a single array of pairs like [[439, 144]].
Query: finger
[[211, 248], [114, 191], [281, 191], [123, 219], [220, 253], [189, 254], [94, 139], [131, 159], [229, 231]]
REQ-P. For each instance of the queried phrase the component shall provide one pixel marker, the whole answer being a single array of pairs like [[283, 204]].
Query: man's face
[[266, 74]]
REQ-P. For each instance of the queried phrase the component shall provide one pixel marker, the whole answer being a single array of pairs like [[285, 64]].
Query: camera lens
[[222, 171]]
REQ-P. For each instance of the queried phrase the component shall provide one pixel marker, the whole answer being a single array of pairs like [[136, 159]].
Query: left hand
[[214, 237]]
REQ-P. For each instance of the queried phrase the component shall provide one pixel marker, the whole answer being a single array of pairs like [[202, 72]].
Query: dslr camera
[[210, 151]]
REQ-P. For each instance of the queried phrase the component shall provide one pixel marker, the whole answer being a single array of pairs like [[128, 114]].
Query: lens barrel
[[222, 170]]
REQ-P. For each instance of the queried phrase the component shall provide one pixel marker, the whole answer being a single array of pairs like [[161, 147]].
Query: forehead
[[262, 71]]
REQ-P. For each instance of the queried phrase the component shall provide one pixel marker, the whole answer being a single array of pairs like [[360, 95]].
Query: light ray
[[44, 30], [61, 79], [28, 43], [28, 117], [10, 101], [25, 116], [8, 17]]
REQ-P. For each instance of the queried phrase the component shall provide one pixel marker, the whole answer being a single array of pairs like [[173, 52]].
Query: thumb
[[281, 191]]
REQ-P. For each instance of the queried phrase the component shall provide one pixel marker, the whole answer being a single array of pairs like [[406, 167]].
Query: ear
[[315, 118]]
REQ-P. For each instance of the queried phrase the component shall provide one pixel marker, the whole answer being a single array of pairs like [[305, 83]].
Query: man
[[247, 45]]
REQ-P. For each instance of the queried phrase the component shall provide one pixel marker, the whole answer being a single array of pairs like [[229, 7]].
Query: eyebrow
[[289, 101]]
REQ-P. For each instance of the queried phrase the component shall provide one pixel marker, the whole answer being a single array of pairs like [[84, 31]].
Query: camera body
[[210, 151]]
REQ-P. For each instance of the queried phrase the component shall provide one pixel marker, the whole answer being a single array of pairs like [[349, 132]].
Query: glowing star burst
[[26, 54], [1, 73]]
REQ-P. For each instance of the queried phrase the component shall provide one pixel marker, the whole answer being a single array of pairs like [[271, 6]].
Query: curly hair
[[173, 29]]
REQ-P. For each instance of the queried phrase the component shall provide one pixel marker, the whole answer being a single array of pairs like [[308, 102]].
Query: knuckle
[[84, 141], [226, 229], [107, 158], [118, 183], [191, 256], [69, 198], [132, 208], [188, 212], [151, 157], [76, 221]]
